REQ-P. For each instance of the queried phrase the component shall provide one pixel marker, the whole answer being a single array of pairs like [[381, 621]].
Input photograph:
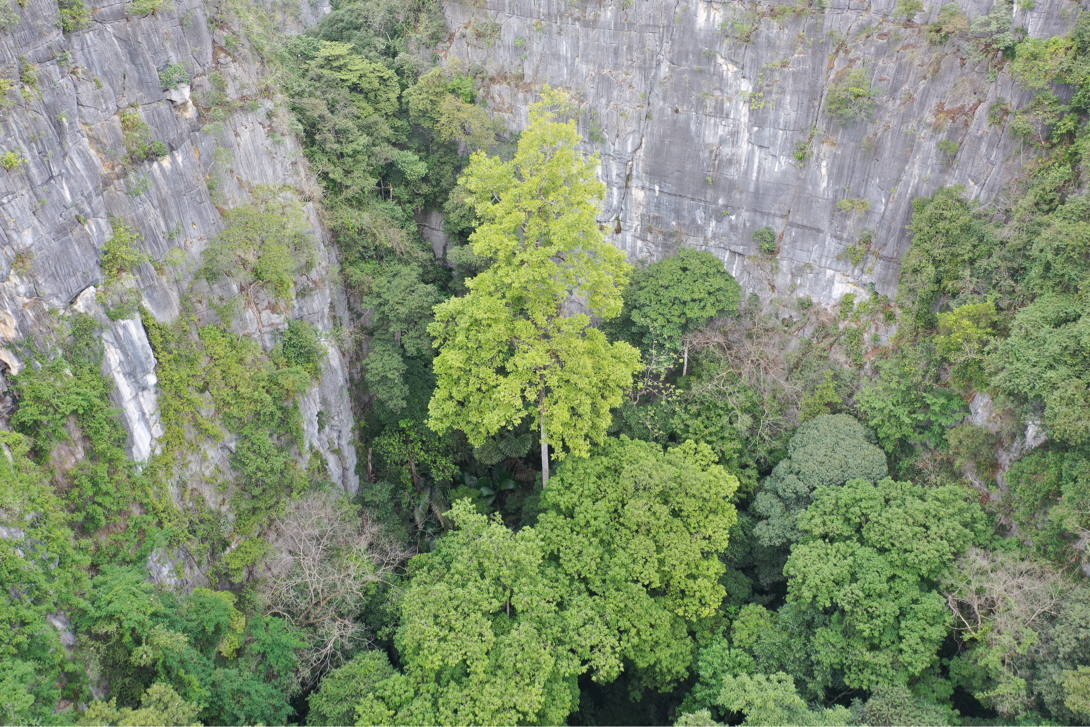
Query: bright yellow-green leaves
[[622, 567], [374, 84], [515, 343]]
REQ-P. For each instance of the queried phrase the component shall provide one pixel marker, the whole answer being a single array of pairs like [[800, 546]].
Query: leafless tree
[[1003, 602], [752, 352], [328, 556]]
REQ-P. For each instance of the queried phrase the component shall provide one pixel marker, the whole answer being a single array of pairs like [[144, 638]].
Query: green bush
[[9, 17], [766, 241], [137, 136], [266, 244], [173, 76], [907, 9], [858, 250], [12, 160], [949, 147], [828, 450], [949, 236], [852, 98], [119, 253], [1046, 358], [950, 22], [675, 296], [140, 8], [74, 15], [110, 501], [902, 409], [300, 345], [1041, 62], [855, 206]]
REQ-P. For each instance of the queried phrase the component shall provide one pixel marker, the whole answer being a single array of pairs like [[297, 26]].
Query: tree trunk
[[685, 366], [544, 458]]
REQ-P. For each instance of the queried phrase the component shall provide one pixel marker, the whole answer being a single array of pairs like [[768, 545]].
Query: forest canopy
[[593, 489]]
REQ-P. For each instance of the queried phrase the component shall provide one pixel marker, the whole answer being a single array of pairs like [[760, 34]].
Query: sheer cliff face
[[78, 182], [712, 121]]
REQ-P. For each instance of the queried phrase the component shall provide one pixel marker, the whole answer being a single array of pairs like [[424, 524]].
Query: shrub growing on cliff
[[301, 345], [766, 240], [137, 136], [265, 245], [140, 8], [74, 15], [119, 253], [907, 9], [950, 22], [852, 98], [12, 160], [173, 76]]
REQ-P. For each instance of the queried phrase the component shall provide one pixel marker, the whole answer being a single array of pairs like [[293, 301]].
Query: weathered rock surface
[[698, 129], [59, 207]]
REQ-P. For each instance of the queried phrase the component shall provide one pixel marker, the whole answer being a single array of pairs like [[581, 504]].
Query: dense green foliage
[[766, 521], [496, 625], [869, 558], [826, 451], [672, 298], [509, 347]]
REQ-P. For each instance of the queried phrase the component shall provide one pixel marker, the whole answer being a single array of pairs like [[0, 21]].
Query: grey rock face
[[698, 129], [131, 363], [79, 181]]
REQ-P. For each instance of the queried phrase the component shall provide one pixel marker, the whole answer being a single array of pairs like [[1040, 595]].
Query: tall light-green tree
[[515, 345]]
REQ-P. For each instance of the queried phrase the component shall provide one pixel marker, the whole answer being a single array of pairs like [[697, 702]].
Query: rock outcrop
[[80, 103], [712, 121]]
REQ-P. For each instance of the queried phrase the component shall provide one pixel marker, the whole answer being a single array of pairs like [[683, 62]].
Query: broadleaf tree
[[869, 560], [640, 534], [519, 344]]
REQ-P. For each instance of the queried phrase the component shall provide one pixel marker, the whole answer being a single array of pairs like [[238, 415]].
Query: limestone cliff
[[712, 121], [72, 181]]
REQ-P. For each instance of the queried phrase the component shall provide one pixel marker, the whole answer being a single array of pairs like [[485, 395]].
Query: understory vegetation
[[590, 492]]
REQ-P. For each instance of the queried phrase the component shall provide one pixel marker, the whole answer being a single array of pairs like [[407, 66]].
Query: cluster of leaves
[[120, 254], [619, 573], [825, 451], [173, 76], [382, 130], [137, 136], [508, 347], [72, 500], [252, 396], [264, 247], [65, 410], [851, 98], [670, 299], [43, 573], [194, 656], [74, 15]]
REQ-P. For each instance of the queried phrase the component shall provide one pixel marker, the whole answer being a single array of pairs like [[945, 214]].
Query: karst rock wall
[[60, 206], [698, 107]]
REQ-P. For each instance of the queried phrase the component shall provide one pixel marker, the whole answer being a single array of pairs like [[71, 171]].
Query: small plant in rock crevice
[[137, 136], [766, 241], [12, 160], [852, 98]]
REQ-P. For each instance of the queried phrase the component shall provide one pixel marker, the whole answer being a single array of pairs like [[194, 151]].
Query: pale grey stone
[[670, 101]]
